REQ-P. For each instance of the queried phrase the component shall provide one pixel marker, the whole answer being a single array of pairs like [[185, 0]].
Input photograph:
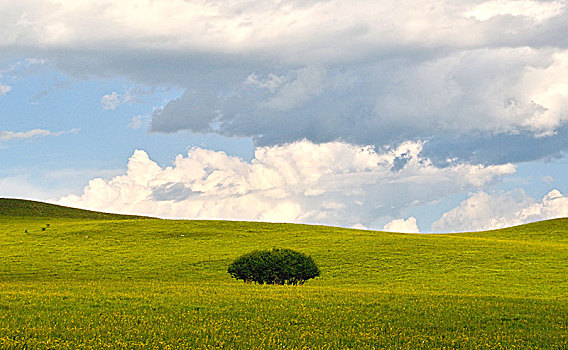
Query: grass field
[[93, 280]]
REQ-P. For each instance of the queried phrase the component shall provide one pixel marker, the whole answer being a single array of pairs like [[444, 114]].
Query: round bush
[[276, 266]]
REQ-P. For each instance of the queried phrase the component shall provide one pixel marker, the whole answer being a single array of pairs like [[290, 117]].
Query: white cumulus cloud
[[401, 225], [484, 211], [332, 183]]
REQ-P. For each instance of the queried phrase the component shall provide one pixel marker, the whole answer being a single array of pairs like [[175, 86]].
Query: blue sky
[[405, 116]]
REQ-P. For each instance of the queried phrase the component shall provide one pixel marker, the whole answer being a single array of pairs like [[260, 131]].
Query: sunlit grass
[[148, 283]]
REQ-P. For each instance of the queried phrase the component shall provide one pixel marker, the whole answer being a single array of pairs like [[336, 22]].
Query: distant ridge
[[28, 208], [552, 229]]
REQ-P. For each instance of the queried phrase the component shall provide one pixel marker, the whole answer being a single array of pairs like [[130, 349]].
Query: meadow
[[92, 280]]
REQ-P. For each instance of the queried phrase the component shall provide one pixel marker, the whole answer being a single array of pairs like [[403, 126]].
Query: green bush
[[276, 266]]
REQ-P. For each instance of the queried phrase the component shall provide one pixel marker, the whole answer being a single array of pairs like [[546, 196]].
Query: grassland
[[93, 280]]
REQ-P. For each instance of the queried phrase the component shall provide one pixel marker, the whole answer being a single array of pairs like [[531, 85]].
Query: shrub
[[276, 266]]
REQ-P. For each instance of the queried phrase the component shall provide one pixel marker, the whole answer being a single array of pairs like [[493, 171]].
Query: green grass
[[93, 280], [25, 208]]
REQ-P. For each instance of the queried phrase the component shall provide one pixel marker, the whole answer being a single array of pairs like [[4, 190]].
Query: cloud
[[307, 85], [459, 74], [272, 82], [472, 98], [138, 122], [547, 179], [331, 183], [113, 100], [4, 89], [539, 11], [401, 225], [483, 211], [11, 135], [16, 70], [295, 31], [47, 185], [516, 96]]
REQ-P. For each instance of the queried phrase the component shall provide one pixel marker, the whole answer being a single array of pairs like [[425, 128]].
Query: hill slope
[[147, 283], [27, 208]]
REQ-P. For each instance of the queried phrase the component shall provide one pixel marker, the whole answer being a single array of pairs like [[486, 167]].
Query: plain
[[76, 279]]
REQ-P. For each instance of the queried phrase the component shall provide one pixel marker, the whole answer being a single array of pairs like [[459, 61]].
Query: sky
[[406, 115]]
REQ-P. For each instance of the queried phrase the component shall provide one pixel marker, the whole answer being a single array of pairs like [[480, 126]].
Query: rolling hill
[[78, 279], [27, 208]]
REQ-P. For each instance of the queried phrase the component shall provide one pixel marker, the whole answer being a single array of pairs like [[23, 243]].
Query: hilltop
[[553, 228], [28, 208]]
